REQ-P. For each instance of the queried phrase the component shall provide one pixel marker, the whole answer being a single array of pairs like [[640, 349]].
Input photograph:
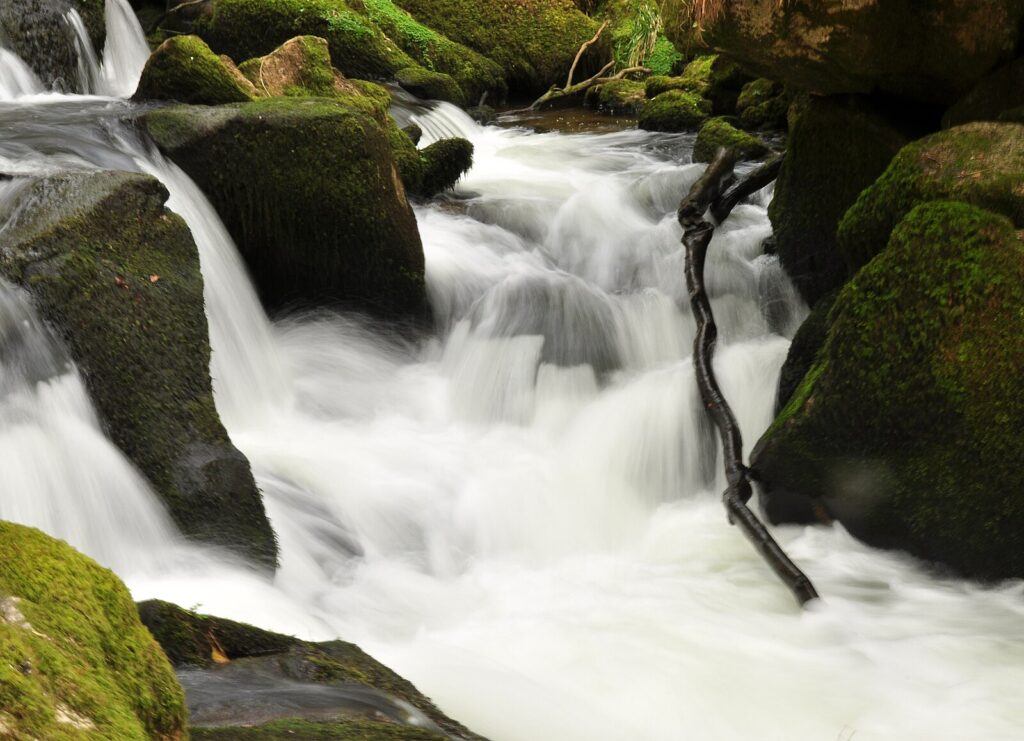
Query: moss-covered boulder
[[979, 163], [717, 133], [117, 274], [992, 96], [674, 110], [309, 191], [75, 662], [929, 51], [473, 72], [910, 425], [804, 348], [762, 104], [215, 649], [300, 67], [244, 29], [38, 32], [717, 78], [430, 85], [619, 97], [185, 69], [533, 41], [434, 169], [836, 148]]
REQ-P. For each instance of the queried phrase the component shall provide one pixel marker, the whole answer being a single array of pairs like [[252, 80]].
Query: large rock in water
[[909, 428], [836, 148], [185, 69], [39, 33], [243, 682], [118, 275], [929, 51], [309, 191], [75, 661]]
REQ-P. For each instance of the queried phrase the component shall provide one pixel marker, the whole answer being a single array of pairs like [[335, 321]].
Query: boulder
[[807, 341], [185, 69], [38, 32], [117, 274], [717, 133], [533, 41], [928, 51], [620, 97], [979, 163], [430, 85], [300, 67], [434, 169], [309, 190], [674, 110], [710, 76], [836, 148], [909, 427], [75, 662], [762, 104], [352, 695]]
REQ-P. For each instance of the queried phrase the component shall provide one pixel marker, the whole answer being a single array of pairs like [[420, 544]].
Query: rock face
[[117, 274], [75, 662], [909, 427], [38, 32], [331, 689], [184, 69], [998, 93], [836, 148], [928, 51], [979, 163], [310, 193]]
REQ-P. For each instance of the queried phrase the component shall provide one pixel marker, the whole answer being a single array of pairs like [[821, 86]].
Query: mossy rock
[[533, 41], [910, 425], [36, 30], [444, 162], [762, 104], [473, 72], [807, 341], [197, 642], [655, 85], [980, 163], [75, 662], [621, 97], [717, 133], [430, 85], [926, 51], [309, 191], [185, 69], [301, 68], [675, 110], [117, 274], [836, 148], [244, 29]]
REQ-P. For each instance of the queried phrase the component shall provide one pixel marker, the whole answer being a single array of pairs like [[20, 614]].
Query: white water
[[521, 516]]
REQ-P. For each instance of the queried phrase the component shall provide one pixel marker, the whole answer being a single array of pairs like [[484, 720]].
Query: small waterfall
[[16, 78], [88, 64], [125, 52]]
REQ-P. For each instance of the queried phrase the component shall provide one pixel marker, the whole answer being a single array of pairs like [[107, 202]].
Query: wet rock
[[908, 426], [717, 133], [762, 104], [674, 110], [117, 274], [430, 85], [184, 69], [74, 659], [38, 31], [620, 97]]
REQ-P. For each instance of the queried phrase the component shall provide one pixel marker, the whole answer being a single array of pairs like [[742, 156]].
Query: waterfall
[[520, 513], [125, 52]]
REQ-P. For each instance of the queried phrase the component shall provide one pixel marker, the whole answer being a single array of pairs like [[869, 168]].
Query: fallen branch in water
[[719, 191]]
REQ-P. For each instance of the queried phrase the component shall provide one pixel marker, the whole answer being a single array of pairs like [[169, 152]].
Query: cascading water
[[521, 514]]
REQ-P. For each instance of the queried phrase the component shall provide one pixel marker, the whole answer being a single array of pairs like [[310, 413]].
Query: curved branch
[[586, 45], [718, 190]]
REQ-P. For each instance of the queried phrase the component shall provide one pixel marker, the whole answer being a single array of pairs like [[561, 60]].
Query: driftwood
[[719, 191]]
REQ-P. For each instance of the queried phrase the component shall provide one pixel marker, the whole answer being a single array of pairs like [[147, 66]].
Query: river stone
[[309, 190], [909, 427], [36, 30], [75, 661], [928, 51], [117, 274]]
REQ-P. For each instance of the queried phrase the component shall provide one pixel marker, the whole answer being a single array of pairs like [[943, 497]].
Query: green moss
[[979, 163], [71, 642], [762, 104], [808, 340], [533, 41], [289, 730], [909, 426], [301, 67], [629, 21], [473, 72], [118, 275], [839, 147], [444, 162], [658, 84], [621, 97], [430, 85], [717, 132], [250, 28], [184, 68], [310, 192], [675, 110]]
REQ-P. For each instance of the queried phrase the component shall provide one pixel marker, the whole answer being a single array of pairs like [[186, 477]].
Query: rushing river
[[520, 514]]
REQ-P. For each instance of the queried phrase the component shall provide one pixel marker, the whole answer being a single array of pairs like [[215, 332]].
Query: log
[[717, 190]]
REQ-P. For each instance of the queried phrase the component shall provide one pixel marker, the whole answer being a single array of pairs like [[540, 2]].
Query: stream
[[519, 513]]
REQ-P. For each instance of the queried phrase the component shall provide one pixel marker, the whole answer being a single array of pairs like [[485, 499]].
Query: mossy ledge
[[75, 661], [909, 428], [117, 274]]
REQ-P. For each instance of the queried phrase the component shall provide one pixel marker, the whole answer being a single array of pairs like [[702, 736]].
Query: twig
[[586, 45]]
